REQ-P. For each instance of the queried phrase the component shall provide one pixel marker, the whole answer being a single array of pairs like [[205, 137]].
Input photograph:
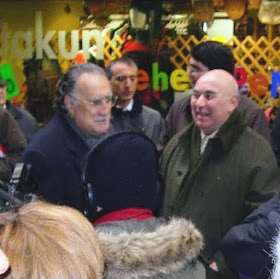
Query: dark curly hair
[[214, 55]]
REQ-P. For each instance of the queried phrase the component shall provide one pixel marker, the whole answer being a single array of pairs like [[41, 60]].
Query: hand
[[214, 266]]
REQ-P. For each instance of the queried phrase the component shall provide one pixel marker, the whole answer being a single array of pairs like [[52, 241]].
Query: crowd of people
[[124, 193]]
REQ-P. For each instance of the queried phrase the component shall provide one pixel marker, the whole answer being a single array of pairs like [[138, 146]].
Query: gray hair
[[123, 60], [67, 83]]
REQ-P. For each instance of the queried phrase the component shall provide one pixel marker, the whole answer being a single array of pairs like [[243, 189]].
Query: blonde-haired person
[[47, 241]]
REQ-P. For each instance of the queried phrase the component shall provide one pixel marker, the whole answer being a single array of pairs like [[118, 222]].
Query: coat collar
[[227, 135], [136, 109], [231, 130], [74, 141], [167, 249]]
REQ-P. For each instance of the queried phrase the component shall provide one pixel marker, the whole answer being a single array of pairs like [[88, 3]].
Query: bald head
[[222, 79], [214, 99]]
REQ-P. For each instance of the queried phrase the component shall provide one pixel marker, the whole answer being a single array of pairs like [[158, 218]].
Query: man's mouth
[[201, 113], [128, 93], [102, 118]]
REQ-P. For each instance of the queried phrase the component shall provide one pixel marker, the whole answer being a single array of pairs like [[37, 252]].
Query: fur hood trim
[[276, 258], [167, 249]]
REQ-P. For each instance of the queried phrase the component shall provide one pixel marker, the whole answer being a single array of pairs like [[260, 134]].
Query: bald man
[[206, 56], [217, 170]]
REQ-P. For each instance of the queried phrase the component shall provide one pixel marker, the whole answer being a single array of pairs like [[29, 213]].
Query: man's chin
[[100, 130], [203, 127]]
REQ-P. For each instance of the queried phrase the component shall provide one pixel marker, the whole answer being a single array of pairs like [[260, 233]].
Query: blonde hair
[[45, 241]]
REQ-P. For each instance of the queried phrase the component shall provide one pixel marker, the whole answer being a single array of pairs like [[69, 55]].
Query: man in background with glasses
[[128, 113], [83, 104]]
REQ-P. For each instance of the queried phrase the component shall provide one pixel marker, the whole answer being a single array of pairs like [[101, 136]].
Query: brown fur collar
[[167, 249]]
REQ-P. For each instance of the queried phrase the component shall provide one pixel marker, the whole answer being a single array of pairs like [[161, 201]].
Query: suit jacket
[[141, 119], [56, 153]]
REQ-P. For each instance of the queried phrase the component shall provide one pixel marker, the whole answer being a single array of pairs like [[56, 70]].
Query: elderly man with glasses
[[83, 105]]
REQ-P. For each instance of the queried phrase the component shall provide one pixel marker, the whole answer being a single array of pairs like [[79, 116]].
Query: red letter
[[240, 76], [258, 84], [142, 81]]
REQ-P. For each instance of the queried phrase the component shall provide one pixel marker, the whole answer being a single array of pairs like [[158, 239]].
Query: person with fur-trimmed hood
[[276, 259], [126, 188]]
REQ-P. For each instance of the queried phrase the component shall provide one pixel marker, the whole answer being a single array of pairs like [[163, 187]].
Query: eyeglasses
[[97, 102], [208, 94], [196, 70]]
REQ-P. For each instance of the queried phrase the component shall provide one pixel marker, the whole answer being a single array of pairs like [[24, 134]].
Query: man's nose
[[128, 81], [189, 72], [105, 108], [201, 101]]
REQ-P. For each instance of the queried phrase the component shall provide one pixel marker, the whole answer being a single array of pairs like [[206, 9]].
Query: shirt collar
[[205, 138], [128, 107]]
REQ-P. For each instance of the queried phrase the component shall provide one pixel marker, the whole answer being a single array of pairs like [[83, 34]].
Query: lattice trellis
[[259, 56], [112, 48]]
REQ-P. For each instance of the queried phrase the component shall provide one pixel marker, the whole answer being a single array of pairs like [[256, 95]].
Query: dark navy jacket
[[56, 153], [247, 247]]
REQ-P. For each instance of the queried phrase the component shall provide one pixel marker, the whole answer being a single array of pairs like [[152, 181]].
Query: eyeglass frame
[[97, 102], [193, 69]]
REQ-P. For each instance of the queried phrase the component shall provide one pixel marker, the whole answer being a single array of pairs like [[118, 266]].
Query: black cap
[[123, 172]]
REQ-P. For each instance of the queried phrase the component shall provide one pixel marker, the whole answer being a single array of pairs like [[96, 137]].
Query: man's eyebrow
[[209, 91], [126, 76], [195, 66]]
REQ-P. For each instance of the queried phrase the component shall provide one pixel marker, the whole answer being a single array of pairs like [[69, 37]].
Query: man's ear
[[235, 100], [68, 105]]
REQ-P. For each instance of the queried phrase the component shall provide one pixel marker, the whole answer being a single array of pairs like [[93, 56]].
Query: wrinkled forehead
[[93, 84], [208, 83], [123, 69], [224, 86]]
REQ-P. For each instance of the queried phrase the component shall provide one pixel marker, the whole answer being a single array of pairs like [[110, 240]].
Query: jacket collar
[[136, 109], [169, 248], [227, 135], [231, 130], [73, 140]]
